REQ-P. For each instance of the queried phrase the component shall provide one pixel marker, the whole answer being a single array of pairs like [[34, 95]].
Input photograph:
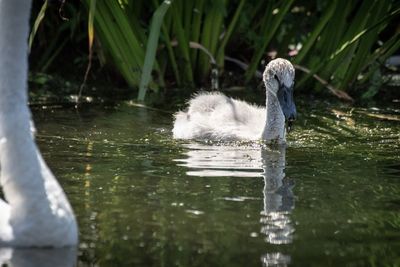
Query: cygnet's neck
[[274, 130]]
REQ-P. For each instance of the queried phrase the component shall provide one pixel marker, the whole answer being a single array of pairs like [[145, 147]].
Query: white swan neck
[[39, 214], [15, 137], [274, 130], [14, 29]]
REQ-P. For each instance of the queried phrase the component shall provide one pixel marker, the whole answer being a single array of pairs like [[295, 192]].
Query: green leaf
[[37, 22], [151, 48]]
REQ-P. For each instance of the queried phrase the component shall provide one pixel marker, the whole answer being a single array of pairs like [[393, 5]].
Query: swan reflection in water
[[44, 257], [278, 198], [252, 161]]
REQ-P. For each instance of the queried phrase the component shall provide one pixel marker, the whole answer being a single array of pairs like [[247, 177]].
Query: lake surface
[[330, 198]]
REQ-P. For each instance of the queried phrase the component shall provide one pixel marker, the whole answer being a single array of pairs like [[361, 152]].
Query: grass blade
[[92, 10], [183, 45], [316, 32], [221, 50], [269, 31], [37, 22], [151, 48]]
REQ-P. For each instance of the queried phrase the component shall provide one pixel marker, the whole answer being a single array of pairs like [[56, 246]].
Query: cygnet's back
[[217, 117]]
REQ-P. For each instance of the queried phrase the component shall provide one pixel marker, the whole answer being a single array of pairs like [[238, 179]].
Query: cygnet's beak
[[285, 98]]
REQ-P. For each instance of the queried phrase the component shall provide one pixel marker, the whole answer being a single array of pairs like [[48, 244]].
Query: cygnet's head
[[279, 80]]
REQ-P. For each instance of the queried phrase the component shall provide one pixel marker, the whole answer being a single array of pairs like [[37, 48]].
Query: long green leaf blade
[[151, 48], [37, 22]]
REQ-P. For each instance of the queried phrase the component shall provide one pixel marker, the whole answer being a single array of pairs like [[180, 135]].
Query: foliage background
[[178, 46]]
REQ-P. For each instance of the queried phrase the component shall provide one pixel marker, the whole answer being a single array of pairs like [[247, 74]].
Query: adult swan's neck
[[38, 212], [274, 130]]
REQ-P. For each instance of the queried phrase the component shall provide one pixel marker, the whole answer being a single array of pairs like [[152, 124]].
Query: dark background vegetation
[[345, 44]]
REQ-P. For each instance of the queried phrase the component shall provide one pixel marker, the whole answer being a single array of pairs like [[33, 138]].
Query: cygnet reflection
[[32, 257], [252, 161], [278, 197], [221, 160]]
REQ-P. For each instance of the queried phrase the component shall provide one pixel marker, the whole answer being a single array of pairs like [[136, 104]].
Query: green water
[[331, 198]]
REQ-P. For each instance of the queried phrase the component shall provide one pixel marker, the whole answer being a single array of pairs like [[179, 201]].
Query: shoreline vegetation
[[155, 49]]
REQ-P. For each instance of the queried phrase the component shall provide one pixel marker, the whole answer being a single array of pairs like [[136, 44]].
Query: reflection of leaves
[[381, 116], [345, 116]]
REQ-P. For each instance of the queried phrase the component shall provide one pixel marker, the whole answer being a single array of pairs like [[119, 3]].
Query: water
[[331, 198]]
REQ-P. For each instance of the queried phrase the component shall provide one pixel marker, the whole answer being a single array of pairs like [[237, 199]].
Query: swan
[[36, 212], [214, 116]]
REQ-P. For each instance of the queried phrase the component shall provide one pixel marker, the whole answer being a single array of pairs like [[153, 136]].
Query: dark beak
[[285, 98]]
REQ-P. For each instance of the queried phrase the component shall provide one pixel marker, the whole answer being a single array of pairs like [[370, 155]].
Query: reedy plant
[[341, 41], [346, 40]]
